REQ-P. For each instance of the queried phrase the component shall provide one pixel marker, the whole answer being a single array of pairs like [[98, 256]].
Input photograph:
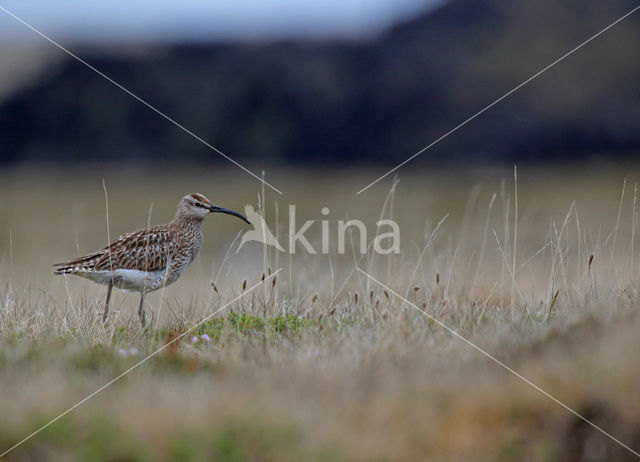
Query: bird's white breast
[[127, 279]]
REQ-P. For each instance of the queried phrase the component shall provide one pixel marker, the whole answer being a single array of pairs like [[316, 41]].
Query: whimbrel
[[148, 259]]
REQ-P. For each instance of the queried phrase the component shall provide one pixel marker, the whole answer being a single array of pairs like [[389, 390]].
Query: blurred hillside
[[375, 101]]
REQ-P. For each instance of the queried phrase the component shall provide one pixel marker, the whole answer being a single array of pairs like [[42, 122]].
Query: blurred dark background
[[371, 97]]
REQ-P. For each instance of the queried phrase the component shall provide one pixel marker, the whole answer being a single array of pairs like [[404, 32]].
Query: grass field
[[320, 362]]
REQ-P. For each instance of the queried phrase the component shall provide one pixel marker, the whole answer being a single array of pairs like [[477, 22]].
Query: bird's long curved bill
[[215, 208]]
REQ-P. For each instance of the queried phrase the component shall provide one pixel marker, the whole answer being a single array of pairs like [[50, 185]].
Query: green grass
[[323, 364]]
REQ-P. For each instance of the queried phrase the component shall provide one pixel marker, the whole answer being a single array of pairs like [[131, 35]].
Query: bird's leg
[[141, 311], [106, 305]]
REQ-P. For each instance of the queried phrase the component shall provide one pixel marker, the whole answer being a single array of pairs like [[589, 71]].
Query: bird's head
[[197, 206]]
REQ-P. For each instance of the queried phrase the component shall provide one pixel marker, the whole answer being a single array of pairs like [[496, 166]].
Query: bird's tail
[[73, 266]]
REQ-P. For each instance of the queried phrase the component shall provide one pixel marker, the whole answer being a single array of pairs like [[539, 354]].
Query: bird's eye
[[198, 204]]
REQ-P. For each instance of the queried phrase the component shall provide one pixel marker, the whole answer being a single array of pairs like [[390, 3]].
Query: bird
[[260, 231], [151, 258]]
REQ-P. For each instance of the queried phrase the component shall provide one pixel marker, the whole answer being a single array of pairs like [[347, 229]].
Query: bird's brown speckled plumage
[[148, 259], [176, 243]]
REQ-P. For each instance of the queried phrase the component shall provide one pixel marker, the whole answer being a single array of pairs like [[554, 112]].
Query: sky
[[195, 20]]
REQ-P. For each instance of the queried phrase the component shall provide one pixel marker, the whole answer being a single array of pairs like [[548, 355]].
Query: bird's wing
[[145, 249]]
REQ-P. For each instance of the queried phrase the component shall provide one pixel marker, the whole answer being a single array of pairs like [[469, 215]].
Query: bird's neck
[[187, 221]]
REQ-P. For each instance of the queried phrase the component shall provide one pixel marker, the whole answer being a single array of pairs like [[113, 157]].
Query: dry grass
[[324, 364]]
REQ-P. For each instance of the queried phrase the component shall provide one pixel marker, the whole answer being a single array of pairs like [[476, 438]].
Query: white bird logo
[[260, 232]]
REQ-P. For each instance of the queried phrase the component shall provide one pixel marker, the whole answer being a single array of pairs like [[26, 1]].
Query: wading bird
[[148, 259]]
